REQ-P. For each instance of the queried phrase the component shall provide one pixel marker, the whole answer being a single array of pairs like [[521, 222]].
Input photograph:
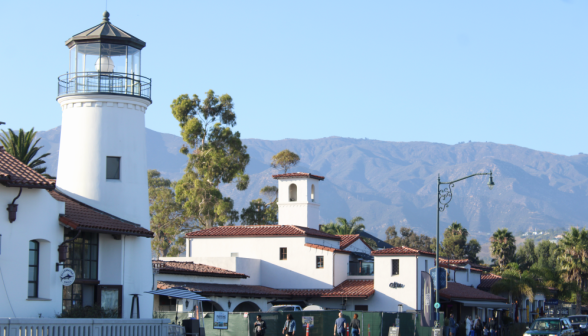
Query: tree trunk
[[579, 302]]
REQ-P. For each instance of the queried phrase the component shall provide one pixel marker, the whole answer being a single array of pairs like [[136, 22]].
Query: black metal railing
[[104, 82]]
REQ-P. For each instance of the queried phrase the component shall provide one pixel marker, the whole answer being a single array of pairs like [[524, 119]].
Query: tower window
[[33, 269], [320, 262], [395, 266], [112, 168], [312, 193], [293, 192], [283, 253]]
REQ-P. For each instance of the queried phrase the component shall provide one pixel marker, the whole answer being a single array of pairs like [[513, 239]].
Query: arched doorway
[[246, 306], [211, 306]]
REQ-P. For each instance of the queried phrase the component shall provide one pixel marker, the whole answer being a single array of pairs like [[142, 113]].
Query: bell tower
[[298, 202]]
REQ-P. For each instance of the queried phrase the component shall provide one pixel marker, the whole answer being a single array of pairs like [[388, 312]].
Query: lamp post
[[443, 198]]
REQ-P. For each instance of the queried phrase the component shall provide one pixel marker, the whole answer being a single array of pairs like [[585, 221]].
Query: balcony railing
[[361, 268], [104, 82]]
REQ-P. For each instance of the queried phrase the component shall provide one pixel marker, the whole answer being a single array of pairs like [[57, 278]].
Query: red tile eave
[[298, 175], [210, 274], [326, 248], [266, 231]]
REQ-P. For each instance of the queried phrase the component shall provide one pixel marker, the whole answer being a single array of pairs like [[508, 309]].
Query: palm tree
[[518, 284], [24, 148], [574, 260], [502, 246], [343, 227]]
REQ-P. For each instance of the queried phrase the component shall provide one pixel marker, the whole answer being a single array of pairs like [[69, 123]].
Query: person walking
[[289, 326], [355, 326], [468, 325], [340, 326], [478, 326], [452, 325], [259, 326]]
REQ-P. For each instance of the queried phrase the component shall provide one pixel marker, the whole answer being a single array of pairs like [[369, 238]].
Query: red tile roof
[[295, 175], [459, 291], [190, 268], [461, 268], [327, 248], [306, 292], [353, 288], [487, 280], [224, 289], [82, 216], [401, 251], [261, 231], [14, 173], [347, 240], [463, 262]]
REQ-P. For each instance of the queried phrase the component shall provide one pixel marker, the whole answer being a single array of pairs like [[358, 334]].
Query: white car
[[313, 307], [285, 308]]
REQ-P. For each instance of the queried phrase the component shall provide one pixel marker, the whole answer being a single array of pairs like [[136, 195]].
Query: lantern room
[[105, 59]]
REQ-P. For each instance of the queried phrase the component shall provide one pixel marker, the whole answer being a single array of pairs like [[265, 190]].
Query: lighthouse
[[102, 154]]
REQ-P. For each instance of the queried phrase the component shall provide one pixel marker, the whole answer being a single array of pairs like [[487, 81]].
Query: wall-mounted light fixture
[[13, 208]]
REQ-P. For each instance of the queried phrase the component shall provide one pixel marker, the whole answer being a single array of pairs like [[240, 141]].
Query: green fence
[[372, 323]]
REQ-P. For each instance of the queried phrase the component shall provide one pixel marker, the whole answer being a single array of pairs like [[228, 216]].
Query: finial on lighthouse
[[106, 16]]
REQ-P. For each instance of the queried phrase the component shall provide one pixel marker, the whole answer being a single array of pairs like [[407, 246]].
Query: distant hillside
[[394, 183]]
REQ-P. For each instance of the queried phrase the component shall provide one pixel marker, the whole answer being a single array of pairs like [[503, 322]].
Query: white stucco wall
[[37, 219], [386, 298], [358, 246], [341, 268]]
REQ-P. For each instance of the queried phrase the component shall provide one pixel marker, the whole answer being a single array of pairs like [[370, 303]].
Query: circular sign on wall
[[67, 276], [437, 305]]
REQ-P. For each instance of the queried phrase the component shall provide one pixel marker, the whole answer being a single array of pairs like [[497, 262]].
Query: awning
[[179, 294], [485, 304]]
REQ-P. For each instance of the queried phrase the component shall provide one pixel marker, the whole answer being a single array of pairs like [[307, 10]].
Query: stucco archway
[[211, 306], [246, 306]]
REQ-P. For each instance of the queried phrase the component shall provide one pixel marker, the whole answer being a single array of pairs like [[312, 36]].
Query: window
[[320, 262], [312, 193], [33, 269], [395, 267], [293, 192], [166, 303], [112, 168], [82, 254], [283, 253], [361, 307]]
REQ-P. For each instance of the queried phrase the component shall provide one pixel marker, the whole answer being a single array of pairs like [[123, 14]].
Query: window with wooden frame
[[395, 266], [320, 262], [283, 253], [82, 254], [33, 269]]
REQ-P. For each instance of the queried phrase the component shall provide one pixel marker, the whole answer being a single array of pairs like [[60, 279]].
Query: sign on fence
[[221, 320], [308, 320]]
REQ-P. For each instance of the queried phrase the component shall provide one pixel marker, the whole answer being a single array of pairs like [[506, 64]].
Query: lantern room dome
[[106, 32]]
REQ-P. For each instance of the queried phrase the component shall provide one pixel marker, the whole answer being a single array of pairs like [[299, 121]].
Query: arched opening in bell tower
[[293, 192], [312, 193]]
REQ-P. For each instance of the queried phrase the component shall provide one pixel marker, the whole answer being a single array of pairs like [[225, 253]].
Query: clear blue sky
[[512, 72]]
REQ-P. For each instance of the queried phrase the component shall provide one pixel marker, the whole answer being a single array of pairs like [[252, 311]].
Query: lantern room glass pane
[[134, 60], [88, 55], [113, 58], [73, 56]]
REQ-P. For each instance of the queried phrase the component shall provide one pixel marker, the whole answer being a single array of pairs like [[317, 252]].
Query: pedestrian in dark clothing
[[355, 326], [289, 326], [259, 326], [452, 325], [340, 325], [478, 327]]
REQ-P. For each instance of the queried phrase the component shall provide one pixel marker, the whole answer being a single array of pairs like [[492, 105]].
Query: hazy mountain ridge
[[394, 183]]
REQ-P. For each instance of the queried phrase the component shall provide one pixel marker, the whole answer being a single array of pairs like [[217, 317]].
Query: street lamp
[[444, 196]]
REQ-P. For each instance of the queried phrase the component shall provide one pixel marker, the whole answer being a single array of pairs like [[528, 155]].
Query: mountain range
[[394, 183]]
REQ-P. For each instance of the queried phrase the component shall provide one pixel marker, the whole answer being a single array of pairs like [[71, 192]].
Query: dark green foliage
[[88, 312], [525, 255], [260, 212], [23, 146], [573, 260], [167, 217], [343, 227], [215, 155], [456, 246], [409, 238], [370, 242], [502, 247], [547, 253], [285, 160]]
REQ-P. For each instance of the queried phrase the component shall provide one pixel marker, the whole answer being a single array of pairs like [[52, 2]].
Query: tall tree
[[502, 247], [525, 255], [574, 260], [344, 227], [260, 212], [215, 155], [547, 254], [23, 147], [517, 284], [167, 220], [285, 160], [456, 246], [409, 238]]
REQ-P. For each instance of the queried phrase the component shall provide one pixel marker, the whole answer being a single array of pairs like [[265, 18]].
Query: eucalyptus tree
[[215, 155], [456, 246], [285, 160], [573, 260], [23, 147], [262, 212]]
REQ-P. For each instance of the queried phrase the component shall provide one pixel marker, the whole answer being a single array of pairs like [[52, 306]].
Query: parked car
[[313, 307], [285, 308], [580, 324], [552, 326]]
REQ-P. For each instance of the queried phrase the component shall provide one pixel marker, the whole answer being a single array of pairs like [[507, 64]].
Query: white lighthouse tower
[[102, 155]]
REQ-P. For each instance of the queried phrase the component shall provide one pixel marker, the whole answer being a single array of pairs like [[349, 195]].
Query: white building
[[99, 207], [296, 262]]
